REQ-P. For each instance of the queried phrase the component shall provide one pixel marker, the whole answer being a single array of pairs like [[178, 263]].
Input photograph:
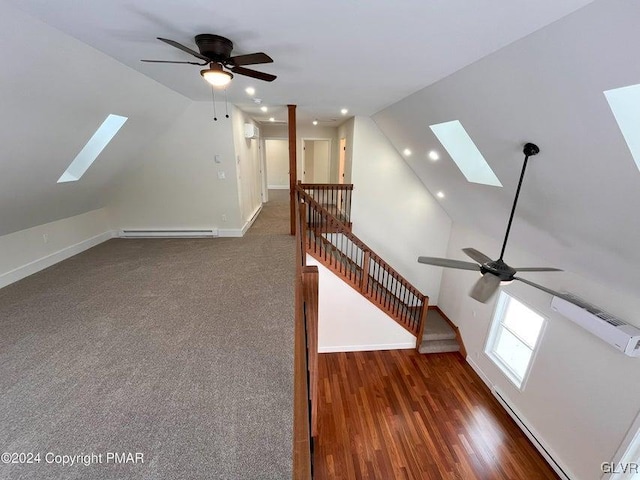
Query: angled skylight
[[92, 149], [625, 105], [457, 142]]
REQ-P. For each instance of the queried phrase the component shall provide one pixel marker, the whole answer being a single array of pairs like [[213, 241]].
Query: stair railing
[[335, 197], [331, 242], [305, 361]]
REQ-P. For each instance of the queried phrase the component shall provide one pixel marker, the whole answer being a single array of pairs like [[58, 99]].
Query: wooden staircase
[[330, 241]]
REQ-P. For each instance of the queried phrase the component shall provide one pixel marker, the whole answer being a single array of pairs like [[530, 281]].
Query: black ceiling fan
[[215, 51], [496, 271]]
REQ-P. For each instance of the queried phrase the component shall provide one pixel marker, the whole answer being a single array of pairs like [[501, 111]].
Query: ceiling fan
[[215, 51], [494, 272]]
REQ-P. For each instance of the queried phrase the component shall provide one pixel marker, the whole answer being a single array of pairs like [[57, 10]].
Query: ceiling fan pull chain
[[226, 104], [213, 100]]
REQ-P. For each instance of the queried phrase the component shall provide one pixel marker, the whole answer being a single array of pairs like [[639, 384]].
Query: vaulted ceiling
[[328, 54], [579, 202], [511, 72]]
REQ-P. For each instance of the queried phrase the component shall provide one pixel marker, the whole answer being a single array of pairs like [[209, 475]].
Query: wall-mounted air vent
[[615, 332]]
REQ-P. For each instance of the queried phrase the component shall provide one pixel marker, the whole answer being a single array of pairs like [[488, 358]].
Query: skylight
[[625, 105], [92, 149], [457, 142]]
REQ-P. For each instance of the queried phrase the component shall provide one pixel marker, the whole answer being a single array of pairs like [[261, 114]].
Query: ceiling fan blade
[[171, 61], [175, 44], [568, 298], [538, 269], [250, 59], [446, 262], [267, 77], [476, 255], [485, 287]]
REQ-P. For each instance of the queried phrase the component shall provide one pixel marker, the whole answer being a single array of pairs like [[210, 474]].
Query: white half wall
[[347, 322], [393, 212], [582, 395], [28, 251]]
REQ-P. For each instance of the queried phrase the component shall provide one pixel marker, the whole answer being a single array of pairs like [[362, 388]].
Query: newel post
[[423, 320]]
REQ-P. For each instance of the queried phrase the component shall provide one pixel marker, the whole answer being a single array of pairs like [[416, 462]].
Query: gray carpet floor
[[178, 349]]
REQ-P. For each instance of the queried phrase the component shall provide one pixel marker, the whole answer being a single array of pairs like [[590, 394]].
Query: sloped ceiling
[[328, 54], [55, 92], [580, 199]]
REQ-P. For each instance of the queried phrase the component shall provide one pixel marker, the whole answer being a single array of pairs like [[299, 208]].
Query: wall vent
[[530, 434], [206, 233]]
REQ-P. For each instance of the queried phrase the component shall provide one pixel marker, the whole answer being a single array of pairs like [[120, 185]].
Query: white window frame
[[496, 324]]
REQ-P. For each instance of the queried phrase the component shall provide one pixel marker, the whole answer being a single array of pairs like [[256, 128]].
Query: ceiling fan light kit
[[216, 76], [497, 272]]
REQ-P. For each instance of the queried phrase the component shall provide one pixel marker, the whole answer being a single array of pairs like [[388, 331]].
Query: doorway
[[342, 154], [316, 160]]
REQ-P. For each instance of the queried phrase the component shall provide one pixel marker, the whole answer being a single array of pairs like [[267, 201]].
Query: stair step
[[439, 346], [434, 336]]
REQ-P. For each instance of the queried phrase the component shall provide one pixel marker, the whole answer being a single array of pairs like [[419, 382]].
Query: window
[[92, 149], [458, 144], [625, 105], [514, 336]]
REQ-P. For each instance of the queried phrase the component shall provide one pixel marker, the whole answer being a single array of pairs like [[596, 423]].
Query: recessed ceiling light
[[344, 111], [624, 103], [407, 152], [458, 144], [433, 155], [315, 122], [264, 109], [272, 119], [440, 194], [250, 91]]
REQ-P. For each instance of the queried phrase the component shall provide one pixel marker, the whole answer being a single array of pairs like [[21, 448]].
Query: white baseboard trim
[[278, 187], [366, 348], [480, 373], [522, 423], [239, 232], [47, 261]]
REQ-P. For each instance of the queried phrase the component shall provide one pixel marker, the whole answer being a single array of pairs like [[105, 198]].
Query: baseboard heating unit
[[530, 434], [206, 233]]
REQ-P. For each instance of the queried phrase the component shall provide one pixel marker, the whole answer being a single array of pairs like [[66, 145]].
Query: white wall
[[28, 251], [176, 184], [582, 395], [277, 159], [392, 211], [47, 120], [308, 131], [347, 322], [249, 176]]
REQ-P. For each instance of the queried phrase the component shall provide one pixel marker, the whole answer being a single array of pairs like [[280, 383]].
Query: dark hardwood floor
[[400, 415]]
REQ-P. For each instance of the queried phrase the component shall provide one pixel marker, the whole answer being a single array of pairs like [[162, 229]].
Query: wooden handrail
[[332, 242], [363, 246], [305, 359], [336, 186]]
